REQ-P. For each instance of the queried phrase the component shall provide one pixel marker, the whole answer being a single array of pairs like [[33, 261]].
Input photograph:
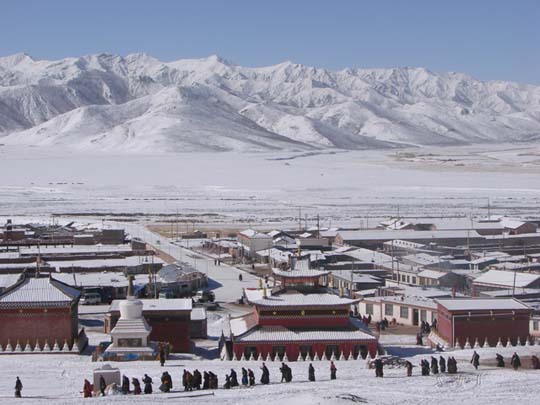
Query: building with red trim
[[170, 320], [299, 319], [462, 321], [38, 312]]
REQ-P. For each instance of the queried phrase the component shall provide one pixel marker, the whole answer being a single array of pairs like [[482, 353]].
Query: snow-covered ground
[[345, 188], [58, 379]]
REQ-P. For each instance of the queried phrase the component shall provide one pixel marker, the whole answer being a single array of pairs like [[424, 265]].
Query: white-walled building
[[405, 310]]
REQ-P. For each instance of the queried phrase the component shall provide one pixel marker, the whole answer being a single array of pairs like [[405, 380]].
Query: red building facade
[[170, 320], [36, 311], [462, 320], [298, 319]]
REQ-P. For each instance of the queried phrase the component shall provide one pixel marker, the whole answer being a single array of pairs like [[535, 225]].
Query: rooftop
[[283, 334], [296, 299], [39, 290], [506, 278], [161, 304], [473, 304]]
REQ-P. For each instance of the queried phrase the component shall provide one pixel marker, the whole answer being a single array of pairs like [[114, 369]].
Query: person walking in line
[[265, 377], [18, 388], [515, 361], [147, 384], [125, 385], [87, 389], [333, 370], [311, 372], [409, 367], [475, 360], [251, 377], [136, 386]]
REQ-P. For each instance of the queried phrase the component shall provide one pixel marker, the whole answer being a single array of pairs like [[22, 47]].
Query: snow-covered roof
[[283, 334], [252, 233], [100, 279], [472, 304], [33, 290], [423, 259], [406, 234], [506, 278], [70, 249], [160, 304], [242, 324], [130, 261], [432, 274], [255, 296], [299, 273]]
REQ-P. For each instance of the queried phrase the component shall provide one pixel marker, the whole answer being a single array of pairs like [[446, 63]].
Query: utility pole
[[318, 228]]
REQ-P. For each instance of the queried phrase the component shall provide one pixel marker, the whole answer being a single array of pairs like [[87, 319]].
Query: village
[[115, 295]]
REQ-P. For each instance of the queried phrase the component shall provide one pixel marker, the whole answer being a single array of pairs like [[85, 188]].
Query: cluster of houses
[[479, 281], [47, 271]]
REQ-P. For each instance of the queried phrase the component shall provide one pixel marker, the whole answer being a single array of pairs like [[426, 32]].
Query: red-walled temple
[[479, 321], [299, 319], [38, 313]]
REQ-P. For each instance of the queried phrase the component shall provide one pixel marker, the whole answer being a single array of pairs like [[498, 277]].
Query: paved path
[[223, 279]]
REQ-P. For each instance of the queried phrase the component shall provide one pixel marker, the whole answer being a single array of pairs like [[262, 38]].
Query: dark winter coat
[[311, 373], [125, 385], [500, 360], [475, 360], [516, 361], [136, 386], [244, 376], [265, 378], [147, 384], [333, 370], [442, 364]]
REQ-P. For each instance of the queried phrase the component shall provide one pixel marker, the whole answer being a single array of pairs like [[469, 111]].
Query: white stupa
[[130, 335]]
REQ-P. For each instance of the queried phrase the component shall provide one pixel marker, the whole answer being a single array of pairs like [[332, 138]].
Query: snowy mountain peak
[[137, 102]]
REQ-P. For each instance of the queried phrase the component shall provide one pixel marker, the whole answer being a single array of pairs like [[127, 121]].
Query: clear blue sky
[[487, 39]]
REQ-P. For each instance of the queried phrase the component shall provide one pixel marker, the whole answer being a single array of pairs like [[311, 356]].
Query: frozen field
[[343, 187], [58, 379]]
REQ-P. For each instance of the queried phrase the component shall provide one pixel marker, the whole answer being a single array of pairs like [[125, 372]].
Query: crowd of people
[[207, 380], [435, 366]]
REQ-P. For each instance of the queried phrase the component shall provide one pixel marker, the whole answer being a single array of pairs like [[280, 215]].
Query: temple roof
[[31, 291], [295, 299], [283, 334], [300, 273]]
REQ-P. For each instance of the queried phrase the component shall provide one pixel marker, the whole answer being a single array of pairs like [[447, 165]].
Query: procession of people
[[207, 380]]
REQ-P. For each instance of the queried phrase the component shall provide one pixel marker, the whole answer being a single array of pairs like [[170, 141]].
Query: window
[[423, 315], [360, 350], [250, 352], [535, 325], [403, 277], [404, 312], [369, 309], [414, 280], [389, 309], [408, 279], [332, 349], [278, 351], [306, 352]]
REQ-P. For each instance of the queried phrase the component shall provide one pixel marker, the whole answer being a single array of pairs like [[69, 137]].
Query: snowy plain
[[58, 379], [345, 188]]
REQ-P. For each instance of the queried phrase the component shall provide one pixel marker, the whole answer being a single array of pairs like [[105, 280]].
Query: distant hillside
[[137, 103]]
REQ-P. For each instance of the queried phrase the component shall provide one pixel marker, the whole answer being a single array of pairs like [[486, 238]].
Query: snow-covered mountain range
[[140, 104]]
